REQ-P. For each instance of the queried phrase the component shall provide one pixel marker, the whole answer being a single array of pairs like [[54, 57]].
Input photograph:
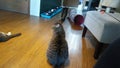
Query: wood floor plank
[[29, 49]]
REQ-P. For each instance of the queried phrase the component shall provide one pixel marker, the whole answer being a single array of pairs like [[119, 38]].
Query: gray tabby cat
[[5, 37], [57, 52]]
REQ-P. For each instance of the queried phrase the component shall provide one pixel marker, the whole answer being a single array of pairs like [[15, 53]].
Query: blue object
[[49, 14]]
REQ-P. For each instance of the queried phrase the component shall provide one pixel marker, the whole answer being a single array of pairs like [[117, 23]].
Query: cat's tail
[[14, 35]]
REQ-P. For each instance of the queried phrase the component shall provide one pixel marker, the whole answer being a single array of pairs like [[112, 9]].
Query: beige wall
[[118, 8], [117, 3], [21, 6]]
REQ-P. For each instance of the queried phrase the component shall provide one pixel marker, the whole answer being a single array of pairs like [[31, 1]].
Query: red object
[[78, 20], [102, 12]]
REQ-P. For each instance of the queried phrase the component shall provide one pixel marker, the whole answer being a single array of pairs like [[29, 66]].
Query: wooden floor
[[29, 49]]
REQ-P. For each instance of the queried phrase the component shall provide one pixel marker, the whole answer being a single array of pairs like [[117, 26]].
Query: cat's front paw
[[9, 33]]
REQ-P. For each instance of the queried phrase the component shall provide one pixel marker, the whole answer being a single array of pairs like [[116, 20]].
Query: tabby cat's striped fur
[[57, 52]]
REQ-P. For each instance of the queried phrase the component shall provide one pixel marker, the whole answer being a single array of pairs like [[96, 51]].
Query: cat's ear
[[58, 25]]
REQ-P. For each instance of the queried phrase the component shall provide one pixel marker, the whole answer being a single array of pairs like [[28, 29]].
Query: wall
[[49, 4], [21, 6], [93, 4], [118, 8], [36, 6]]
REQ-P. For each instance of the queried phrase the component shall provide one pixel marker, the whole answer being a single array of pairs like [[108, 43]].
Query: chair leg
[[98, 50], [84, 31], [64, 14]]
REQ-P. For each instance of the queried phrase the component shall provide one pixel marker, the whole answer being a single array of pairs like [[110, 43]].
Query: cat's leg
[[52, 62]]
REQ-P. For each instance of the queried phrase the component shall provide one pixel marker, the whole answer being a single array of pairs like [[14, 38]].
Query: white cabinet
[[35, 7]]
